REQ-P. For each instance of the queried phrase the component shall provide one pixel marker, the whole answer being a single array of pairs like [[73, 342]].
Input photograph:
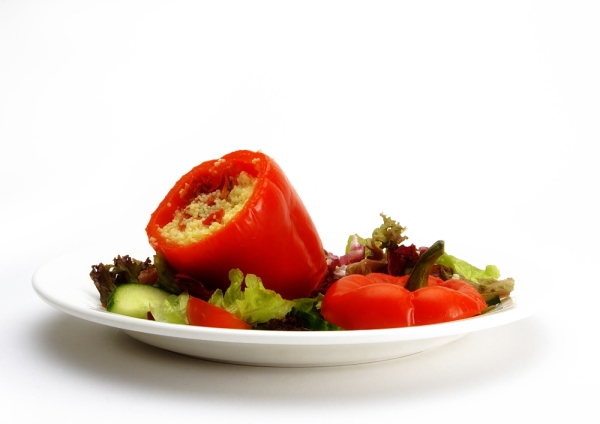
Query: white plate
[[65, 284]]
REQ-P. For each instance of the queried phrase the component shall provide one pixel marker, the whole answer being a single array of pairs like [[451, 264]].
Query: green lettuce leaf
[[166, 275], [253, 305], [308, 310], [309, 304], [172, 309], [467, 270], [491, 288]]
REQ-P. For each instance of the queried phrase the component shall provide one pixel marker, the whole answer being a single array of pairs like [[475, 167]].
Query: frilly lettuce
[[253, 305], [172, 309], [389, 235]]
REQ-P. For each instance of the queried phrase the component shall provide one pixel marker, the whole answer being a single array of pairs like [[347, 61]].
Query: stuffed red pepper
[[239, 211]]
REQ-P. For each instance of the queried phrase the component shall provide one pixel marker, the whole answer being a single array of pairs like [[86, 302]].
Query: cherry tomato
[[357, 302], [205, 314]]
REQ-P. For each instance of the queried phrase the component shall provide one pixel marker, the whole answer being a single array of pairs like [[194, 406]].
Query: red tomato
[[204, 314], [356, 302]]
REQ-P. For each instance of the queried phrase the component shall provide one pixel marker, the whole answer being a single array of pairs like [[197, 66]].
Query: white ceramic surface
[[65, 284]]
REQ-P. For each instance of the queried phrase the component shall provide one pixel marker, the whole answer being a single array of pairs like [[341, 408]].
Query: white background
[[473, 122]]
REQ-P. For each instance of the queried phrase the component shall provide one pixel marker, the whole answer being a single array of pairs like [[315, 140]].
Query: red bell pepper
[[358, 302], [436, 300], [272, 236], [443, 301]]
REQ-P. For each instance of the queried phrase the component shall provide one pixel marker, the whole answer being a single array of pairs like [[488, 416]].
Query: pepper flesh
[[272, 236]]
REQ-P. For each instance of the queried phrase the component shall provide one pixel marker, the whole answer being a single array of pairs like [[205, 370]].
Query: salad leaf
[[401, 261], [166, 275], [367, 266], [233, 293], [253, 305], [313, 321], [308, 311], [367, 255], [355, 249], [442, 271], [467, 270], [309, 304], [289, 323], [172, 309], [123, 270], [486, 281], [127, 269], [194, 287], [389, 234], [492, 288], [103, 280]]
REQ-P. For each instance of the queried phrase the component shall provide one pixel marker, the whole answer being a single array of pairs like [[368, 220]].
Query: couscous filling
[[208, 212]]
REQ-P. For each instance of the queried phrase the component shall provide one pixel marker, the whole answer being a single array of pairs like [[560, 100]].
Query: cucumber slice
[[134, 300]]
